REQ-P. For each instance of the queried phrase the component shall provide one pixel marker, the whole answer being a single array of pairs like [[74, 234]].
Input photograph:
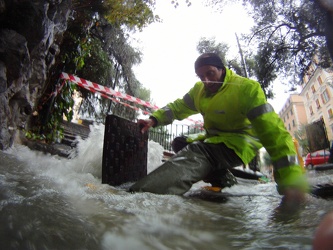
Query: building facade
[[293, 114], [313, 103], [317, 94]]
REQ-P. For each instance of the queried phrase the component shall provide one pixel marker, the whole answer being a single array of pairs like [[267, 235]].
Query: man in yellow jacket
[[238, 121]]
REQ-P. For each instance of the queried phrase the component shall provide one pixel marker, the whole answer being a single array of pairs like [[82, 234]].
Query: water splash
[[65, 200]]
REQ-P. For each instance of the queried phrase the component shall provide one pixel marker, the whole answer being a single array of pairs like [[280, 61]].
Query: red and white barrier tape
[[105, 90], [107, 93], [114, 99]]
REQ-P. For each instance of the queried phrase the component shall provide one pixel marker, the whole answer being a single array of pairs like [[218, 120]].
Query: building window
[[312, 68], [305, 79], [319, 80], [317, 104], [289, 127], [311, 110], [313, 89], [294, 124], [325, 96], [287, 116], [307, 96], [291, 112], [330, 113]]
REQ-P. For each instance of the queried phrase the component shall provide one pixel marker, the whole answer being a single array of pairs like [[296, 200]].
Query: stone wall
[[30, 34]]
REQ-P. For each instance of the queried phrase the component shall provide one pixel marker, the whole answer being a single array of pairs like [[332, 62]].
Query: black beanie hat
[[208, 59]]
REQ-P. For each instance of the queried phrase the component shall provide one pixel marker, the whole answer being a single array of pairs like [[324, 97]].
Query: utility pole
[[242, 58]]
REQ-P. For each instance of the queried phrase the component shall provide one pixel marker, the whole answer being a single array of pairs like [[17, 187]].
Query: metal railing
[[165, 135]]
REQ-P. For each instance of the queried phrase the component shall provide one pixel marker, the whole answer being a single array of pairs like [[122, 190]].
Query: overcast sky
[[169, 48]]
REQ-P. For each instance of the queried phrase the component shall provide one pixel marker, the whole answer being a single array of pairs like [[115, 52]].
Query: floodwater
[[48, 202]]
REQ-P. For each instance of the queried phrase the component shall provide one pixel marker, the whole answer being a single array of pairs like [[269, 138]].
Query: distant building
[[293, 114], [317, 93], [313, 103]]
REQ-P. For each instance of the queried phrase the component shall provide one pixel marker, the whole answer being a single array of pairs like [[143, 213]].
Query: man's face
[[211, 77]]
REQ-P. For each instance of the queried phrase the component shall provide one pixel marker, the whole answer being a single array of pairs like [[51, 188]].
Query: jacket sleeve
[[278, 142], [177, 110], [280, 146]]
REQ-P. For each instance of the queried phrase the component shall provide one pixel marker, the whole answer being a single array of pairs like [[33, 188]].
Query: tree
[[175, 3], [300, 136], [132, 13], [287, 34], [327, 6], [95, 47], [206, 45]]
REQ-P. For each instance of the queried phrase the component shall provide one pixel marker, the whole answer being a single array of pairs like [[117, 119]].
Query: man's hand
[[293, 196], [146, 124], [290, 206]]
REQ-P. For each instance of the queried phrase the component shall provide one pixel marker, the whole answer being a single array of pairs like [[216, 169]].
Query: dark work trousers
[[197, 161]]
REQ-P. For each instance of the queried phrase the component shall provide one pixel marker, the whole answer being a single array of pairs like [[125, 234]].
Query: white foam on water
[[80, 176], [123, 220], [84, 169]]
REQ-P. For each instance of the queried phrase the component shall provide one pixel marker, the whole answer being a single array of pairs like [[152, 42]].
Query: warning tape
[[105, 90], [111, 94], [114, 99]]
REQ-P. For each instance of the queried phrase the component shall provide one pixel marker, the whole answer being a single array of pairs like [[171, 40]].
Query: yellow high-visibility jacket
[[239, 116]]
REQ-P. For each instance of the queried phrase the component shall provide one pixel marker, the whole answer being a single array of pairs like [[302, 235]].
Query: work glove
[[291, 178]]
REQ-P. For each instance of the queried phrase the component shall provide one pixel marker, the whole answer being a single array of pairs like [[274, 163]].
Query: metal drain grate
[[124, 152]]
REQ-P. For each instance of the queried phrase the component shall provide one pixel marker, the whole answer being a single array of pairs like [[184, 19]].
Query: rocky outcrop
[[30, 34]]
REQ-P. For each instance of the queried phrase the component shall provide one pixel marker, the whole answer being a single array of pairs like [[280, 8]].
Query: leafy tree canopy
[[96, 47], [209, 45], [135, 14], [101, 42], [287, 35]]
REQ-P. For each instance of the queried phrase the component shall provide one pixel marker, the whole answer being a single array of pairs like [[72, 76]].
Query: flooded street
[[48, 202]]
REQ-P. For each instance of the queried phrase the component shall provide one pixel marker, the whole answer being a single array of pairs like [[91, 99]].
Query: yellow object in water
[[299, 156], [91, 186], [213, 189]]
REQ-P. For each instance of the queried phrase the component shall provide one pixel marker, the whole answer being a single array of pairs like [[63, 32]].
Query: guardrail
[[164, 135]]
